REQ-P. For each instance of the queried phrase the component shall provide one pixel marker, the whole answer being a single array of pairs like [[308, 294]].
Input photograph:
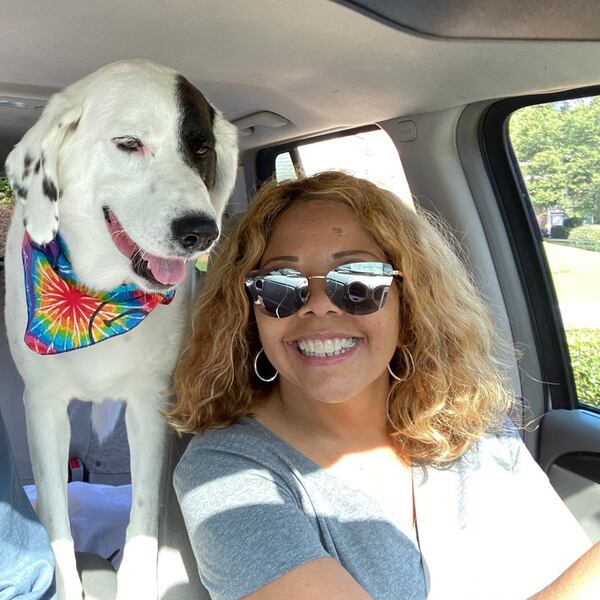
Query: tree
[[558, 149]]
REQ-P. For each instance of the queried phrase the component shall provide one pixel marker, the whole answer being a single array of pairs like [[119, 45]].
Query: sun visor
[[488, 19]]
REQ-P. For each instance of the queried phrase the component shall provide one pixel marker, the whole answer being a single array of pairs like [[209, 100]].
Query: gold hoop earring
[[265, 380]]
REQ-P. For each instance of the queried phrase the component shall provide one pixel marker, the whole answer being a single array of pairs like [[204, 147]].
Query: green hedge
[[6, 197], [584, 348], [585, 237], [590, 233]]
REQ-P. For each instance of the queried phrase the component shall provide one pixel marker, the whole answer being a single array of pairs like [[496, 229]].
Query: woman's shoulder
[[241, 448], [232, 467], [246, 437]]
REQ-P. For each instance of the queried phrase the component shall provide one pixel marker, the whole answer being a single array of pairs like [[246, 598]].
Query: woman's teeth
[[323, 348]]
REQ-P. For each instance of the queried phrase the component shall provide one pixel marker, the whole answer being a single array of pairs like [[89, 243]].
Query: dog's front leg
[[48, 433], [147, 433]]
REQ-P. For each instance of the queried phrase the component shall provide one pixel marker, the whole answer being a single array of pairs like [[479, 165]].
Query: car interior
[[417, 96]]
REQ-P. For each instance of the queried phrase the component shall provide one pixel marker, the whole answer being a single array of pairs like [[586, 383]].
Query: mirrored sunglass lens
[[359, 288], [281, 294]]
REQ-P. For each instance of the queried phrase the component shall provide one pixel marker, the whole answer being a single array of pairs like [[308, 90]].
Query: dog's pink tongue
[[169, 271]]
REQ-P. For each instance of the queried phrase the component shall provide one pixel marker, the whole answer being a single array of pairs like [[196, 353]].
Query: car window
[[371, 155], [557, 146]]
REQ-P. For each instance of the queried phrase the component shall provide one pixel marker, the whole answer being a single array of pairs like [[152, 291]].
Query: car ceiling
[[320, 64]]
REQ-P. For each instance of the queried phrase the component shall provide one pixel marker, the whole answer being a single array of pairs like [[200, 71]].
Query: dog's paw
[[137, 576], [68, 584], [142, 587], [68, 590]]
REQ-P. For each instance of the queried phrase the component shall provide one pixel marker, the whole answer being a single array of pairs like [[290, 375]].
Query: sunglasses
[[357, 288]]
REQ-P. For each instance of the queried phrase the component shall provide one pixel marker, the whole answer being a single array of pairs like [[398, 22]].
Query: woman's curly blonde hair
[[452, 390]]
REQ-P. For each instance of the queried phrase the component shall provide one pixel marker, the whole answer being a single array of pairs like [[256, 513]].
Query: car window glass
[[557, 146], [369, 154], [284, 167]]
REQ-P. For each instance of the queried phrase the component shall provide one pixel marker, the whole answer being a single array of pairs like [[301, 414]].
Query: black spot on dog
[[196, 137], [20, 191], [25, 222], [27, 166], [38, 164], [49, 189]]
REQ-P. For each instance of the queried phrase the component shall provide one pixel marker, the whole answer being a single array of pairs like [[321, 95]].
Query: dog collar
[[63, 315]]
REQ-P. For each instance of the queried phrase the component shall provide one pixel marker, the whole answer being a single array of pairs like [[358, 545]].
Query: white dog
[[132, 168]]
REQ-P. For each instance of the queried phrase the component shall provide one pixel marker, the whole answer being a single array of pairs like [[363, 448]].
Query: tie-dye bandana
[[62, 315]]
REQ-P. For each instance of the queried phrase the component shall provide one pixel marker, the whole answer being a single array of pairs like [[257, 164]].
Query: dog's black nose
[[195, 232]]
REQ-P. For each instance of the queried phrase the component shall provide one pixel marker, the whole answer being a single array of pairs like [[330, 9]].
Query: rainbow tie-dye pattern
[[62, 315]]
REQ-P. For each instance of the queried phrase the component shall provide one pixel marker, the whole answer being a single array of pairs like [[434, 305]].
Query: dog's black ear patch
[[49, 189], [196, 136]]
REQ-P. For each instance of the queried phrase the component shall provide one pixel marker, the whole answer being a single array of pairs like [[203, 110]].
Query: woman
[[354, 437]]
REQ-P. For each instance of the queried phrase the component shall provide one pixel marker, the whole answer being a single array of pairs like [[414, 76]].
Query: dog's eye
[[128, 144], [203, 150]]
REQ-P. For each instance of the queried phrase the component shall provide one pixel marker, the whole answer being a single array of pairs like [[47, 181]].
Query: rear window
[[370, 155]]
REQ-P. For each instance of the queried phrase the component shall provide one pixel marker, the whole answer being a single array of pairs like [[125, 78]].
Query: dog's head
[[134, 166]]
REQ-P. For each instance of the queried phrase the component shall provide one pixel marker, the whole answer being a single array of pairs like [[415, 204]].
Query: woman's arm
[[581, 581], [322, 579]]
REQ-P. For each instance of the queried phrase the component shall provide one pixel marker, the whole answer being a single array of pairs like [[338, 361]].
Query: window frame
[[525, 240]]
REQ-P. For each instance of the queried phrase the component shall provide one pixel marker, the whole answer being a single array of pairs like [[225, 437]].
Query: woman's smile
[[325, 348]]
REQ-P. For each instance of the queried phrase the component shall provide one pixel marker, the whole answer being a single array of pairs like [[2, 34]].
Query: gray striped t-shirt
[[256, 508]]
